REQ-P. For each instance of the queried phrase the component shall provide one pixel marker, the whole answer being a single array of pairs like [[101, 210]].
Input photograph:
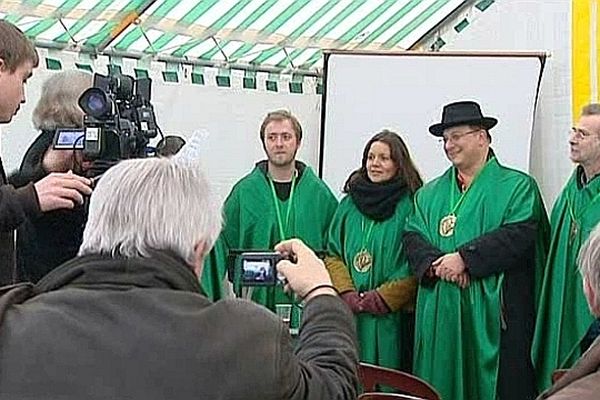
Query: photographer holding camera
[[126, 319], [45, 242], [18, 58]]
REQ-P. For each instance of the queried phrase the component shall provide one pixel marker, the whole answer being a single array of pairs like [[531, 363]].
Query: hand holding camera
[[304, 271], [62, 190]]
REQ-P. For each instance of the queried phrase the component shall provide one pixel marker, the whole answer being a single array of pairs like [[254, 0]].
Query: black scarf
[[376, 200]]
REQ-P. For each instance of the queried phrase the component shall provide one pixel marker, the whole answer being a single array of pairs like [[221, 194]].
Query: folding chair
[[387, 396], [372, 375]]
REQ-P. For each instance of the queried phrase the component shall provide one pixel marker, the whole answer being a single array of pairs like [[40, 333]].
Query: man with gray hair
[[582, 382], [564, 327], [18, 58], [126, 319]]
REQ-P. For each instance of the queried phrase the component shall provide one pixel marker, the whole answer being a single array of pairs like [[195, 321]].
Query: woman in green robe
[[366, 261]]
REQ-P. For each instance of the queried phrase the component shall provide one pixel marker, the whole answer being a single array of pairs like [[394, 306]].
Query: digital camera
[[258, 268]]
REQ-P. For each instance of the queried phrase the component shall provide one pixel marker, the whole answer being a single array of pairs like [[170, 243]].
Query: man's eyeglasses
[[455, 137], [582, 133]]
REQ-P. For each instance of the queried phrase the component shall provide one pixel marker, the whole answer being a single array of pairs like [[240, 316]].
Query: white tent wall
[[533, 25], [227, 118]]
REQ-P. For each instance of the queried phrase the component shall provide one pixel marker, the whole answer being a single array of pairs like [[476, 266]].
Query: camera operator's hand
[[307, 277], [62, 190], [58, 160]]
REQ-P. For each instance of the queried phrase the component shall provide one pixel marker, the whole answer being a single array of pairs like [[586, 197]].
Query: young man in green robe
[[281, 198], [564, 326], [475, 241]]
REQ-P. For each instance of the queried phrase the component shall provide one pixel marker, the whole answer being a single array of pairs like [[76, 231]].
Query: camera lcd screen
[[258, 271], [69, 139]]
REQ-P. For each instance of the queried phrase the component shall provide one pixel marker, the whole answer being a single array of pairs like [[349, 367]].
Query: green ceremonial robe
[[563, 316], [379, 335], [251, 223], [457, 331]]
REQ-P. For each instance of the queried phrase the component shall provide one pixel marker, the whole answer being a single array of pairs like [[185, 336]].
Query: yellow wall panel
[[581, 54]]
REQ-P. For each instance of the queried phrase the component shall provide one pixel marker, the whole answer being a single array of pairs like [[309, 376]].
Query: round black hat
[[462, 113]]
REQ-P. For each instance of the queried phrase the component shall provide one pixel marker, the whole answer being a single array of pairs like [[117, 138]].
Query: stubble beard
[[278, 162]]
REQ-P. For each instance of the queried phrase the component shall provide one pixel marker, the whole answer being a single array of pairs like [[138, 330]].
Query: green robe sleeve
[[215, 265], [338, 271]]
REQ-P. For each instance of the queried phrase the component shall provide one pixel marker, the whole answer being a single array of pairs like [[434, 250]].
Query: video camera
[[119, 118]]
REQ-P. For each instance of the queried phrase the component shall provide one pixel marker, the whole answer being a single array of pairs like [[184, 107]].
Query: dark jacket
[[15, 206], [45, 242], [582, 382], [102, 328]]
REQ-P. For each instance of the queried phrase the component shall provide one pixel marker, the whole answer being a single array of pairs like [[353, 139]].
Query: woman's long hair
[[399, 154]]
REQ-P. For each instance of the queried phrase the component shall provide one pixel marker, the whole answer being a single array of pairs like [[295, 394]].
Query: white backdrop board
[[405, 92], [229, 120]]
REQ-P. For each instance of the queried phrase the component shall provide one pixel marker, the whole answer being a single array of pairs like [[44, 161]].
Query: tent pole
[[129, 19], [177, 60]]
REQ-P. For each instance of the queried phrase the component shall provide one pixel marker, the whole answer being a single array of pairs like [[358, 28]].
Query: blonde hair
[[281, 115], [58, 106]]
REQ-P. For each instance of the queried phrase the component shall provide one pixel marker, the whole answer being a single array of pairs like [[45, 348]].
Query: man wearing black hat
[[474, 241]]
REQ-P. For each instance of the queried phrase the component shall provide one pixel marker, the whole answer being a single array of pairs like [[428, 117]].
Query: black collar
[[264, 168], [582, 180], [161, 270], [282, 189]]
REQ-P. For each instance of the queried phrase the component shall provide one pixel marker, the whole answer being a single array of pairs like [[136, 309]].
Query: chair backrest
[[372, 375], [387, 396]]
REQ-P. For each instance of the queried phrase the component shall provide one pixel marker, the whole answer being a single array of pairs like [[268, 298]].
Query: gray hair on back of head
[[591, 109], [589, 259], [151, 204]]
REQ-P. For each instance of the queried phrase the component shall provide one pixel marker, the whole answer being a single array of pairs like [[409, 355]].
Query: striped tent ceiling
[[280, 33]]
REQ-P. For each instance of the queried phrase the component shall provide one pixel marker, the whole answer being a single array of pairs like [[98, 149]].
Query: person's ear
[[591, 297], [199, 253]]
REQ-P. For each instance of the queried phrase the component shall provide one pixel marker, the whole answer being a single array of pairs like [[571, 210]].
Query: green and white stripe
[[282, 33]]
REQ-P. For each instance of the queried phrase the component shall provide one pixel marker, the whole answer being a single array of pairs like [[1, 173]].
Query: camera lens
[[96, 103]]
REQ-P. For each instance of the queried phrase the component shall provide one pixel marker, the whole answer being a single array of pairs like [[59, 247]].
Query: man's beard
[[278, 162]]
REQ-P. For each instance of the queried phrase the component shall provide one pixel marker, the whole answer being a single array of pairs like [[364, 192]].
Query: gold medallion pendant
[[363, 261], [447, 225]]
